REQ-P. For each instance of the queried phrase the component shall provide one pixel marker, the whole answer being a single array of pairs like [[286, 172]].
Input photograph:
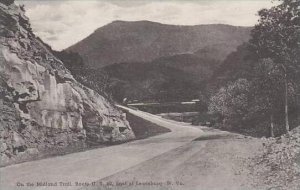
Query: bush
[[231, 103]]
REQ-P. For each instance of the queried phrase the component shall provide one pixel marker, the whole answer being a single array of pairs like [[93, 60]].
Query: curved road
[[92, 165]]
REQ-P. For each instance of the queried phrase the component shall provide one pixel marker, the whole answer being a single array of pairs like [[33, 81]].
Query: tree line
[[262, 91]]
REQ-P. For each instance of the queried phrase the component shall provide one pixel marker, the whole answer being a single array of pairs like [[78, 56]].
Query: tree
[[277, 37], [266, 90], [231, 102]]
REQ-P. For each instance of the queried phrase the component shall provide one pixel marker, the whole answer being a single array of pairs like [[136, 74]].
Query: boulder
[[17, 140], [3, 147], [4, 159], [32, 151]]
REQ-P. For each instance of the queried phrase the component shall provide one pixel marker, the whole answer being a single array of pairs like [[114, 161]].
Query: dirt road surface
[[216, 160]]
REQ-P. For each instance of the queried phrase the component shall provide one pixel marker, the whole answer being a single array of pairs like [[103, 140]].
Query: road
[[168, 161]]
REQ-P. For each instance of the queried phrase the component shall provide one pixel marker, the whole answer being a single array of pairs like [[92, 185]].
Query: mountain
[[144, 41], [43, 109], [238, 64], [198, 67], [172, 78], [147, 82], [151, 61]]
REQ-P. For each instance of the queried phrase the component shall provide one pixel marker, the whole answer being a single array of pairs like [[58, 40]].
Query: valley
[[153, 61], [151, 95]]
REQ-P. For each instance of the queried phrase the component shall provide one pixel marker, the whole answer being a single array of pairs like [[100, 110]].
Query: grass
[[143, 128]]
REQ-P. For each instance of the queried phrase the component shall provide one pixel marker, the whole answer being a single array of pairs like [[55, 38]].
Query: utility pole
[[286, 110], [287, 126]]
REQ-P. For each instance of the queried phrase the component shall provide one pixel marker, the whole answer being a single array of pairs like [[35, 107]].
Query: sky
[[62, 23]]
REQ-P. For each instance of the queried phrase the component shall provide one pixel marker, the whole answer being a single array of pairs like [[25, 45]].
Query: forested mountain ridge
[[175, 61], [144, 41]]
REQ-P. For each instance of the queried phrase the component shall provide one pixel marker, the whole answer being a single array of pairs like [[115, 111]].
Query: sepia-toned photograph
[[150, 94]]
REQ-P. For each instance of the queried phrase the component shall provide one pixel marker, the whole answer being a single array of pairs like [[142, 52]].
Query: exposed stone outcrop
[[42, 107]]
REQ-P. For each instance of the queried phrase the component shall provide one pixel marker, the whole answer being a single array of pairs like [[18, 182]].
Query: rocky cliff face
[[42, 107]]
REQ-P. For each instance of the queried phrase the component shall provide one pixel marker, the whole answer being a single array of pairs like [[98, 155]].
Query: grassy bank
[[143, 129]]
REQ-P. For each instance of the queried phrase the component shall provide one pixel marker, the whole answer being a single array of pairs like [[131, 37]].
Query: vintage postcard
[[150, 94]]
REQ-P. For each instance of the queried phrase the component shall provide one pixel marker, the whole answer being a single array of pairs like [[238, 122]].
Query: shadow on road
[[214, 137]]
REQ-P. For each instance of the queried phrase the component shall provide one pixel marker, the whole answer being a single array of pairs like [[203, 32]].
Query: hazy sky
[[62, 23]]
